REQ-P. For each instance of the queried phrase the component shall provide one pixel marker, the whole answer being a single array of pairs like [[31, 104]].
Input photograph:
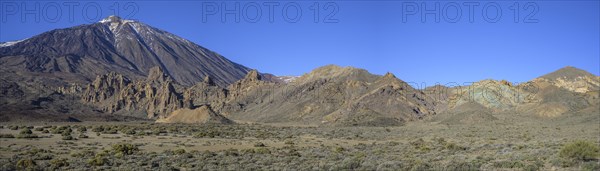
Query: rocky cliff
[[152, 97]]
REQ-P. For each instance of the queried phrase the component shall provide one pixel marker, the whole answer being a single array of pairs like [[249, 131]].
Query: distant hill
[[567, 90], [568, 72]]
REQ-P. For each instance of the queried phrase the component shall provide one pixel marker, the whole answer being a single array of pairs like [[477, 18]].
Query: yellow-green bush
[[26, 164], [579, 151], [126, 149]]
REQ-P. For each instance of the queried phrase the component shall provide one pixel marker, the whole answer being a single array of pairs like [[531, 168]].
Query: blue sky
[[380, 36]]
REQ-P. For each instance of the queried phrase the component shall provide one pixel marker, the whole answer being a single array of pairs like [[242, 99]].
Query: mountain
[[131, 48], [120, 69], [572, 79], [568, 72], [329, 95], [567, 90], [114, 66]]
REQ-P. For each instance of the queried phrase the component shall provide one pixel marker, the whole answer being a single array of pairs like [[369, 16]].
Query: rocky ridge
[[567, 90], [153, 97]]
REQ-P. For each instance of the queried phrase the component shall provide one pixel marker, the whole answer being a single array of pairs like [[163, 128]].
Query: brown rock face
[[105, 86], [155, 95], [156, 74], [208, 81], [504, 82], [204, 93]]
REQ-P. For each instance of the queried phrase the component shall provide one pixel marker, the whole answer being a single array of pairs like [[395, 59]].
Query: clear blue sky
[[379, 36]]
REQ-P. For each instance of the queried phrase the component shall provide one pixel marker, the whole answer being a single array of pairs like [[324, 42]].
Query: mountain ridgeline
[[120, 69], [124, 46]]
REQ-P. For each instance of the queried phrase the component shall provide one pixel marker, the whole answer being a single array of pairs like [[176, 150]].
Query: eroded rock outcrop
[[204, 93], [104, 87], [154, 96]]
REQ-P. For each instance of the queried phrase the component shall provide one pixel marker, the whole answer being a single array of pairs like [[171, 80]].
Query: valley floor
[[503, 144]]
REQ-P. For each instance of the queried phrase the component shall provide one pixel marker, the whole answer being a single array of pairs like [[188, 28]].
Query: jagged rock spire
[[253, 75], [389, 75], [504, 82], [208, 81], [157, 74]]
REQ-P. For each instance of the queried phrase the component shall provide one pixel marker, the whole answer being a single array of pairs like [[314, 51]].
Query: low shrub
[[579, 151], [26, 131], [82, 135], [98, 160], [590, 166], [179, 151], [98, 129], [339, 149], [7, 136], [67, 137], [110, 131], [453, 147], [58, 163], [126, 149], [26, 164], [259, 144], [509, 164], [262, 151], [82, 129], [27, 136], [130, 132]]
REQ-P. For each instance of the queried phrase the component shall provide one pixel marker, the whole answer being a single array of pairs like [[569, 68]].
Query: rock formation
[[204, 93], [200, 115], [155, 96]]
